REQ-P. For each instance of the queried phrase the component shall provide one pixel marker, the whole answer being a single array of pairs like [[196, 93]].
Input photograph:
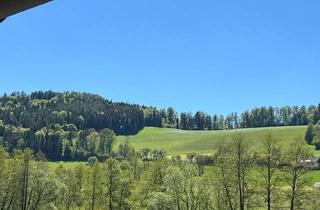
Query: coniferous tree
[[309, 134]]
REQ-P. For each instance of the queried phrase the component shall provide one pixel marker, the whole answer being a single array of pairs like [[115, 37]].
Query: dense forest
[[65, 126], [239, 177], [74, 126]]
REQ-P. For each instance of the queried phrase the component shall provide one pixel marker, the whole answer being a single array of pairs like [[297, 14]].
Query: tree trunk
[[293, 191], [25, 183]]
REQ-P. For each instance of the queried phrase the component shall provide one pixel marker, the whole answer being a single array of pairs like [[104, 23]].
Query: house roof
[[11, 7]]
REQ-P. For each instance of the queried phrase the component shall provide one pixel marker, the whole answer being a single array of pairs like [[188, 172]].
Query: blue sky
[[216, 56]]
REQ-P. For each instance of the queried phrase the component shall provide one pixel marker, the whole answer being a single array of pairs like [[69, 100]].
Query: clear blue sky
[[216, 56]]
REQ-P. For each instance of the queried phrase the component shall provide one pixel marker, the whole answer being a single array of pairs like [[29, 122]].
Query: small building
[[311, 163], [316, 185]]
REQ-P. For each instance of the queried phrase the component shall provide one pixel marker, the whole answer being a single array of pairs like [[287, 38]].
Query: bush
[[205, 160], [92, 160]]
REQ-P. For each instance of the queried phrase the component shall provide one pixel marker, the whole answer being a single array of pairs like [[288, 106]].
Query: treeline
[[240, 179], [257, 117]]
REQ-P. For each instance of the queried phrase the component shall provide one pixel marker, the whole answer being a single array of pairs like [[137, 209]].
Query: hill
[[72, 126], [180, 142]]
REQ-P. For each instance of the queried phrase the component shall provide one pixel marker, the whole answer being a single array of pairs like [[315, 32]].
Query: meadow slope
[[180, 142]]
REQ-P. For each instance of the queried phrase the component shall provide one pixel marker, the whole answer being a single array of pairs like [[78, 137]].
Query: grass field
[[179, 142]]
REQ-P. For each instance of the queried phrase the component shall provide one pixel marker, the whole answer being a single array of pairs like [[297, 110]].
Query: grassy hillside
[[181, 142]]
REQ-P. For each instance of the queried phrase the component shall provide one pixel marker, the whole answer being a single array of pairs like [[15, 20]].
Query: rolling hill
[[179, 142]]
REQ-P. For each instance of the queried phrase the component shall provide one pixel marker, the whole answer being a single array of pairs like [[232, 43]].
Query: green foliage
[[309, 134], [171, 117], [296, 168], [42, 109], [312, 135], [92, 160], [25, 183], [240, 179], [268, 162], [106, 141], [58, 124], [316, 136]]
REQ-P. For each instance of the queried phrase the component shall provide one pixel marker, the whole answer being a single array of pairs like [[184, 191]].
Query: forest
[[75, 126], [235, 177]]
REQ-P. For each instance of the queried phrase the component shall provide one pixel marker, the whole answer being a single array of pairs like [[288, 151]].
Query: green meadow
[[180, 142]]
